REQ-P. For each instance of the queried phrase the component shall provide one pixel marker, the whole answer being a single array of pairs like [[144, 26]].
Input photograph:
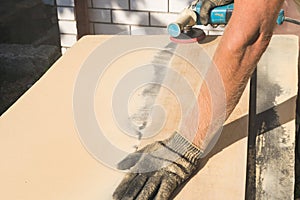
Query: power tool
[[281, 18], [182, 30]]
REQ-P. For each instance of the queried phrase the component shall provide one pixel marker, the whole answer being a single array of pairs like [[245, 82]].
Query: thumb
[[205, 11], [129, 161]]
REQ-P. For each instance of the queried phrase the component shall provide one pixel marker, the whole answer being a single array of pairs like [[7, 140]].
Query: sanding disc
[[194, 35]]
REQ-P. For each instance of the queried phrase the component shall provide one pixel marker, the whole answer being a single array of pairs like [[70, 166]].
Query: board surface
[[48, 149]]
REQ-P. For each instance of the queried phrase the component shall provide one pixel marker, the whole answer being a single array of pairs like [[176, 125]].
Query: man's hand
[[207, 6], [158, 169]]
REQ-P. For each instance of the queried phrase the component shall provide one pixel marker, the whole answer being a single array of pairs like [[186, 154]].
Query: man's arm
[[246, 37]]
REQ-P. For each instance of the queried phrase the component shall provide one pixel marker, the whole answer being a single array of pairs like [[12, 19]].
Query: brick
[[130, 17], [149, 5], [68, 27], [116, 4], [178, 5], [111, 29], [65, 13], [65, 3], [99, 15], [64, 50], [67, 40], [138, 30], [162, 19]]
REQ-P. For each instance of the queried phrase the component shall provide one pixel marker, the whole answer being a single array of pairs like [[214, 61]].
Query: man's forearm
[[245, 39]]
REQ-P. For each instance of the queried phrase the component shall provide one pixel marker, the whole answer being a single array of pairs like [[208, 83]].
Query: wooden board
[[42, 144]]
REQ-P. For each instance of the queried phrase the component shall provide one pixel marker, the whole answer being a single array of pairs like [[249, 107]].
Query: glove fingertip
[[123, 186], [116, 196]]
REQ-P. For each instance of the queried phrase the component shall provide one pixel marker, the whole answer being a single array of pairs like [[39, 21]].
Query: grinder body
[[218, 15], [190, 16]]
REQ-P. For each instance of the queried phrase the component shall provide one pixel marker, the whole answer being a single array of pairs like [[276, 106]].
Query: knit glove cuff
[[183, 147]]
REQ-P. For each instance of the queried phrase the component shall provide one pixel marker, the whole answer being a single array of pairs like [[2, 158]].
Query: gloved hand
[[158, 169], [207, 6]]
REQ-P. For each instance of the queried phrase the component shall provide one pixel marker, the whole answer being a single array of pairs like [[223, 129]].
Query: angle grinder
[[183, 30]]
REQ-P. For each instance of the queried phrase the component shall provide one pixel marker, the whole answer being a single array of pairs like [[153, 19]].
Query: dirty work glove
[[207, 6], [158, 169]]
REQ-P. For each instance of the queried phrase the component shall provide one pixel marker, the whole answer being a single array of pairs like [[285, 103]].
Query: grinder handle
[[218, 15], [280, 18], [187, 17]]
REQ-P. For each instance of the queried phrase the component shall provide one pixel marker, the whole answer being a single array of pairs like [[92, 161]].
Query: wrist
[[184, 147]]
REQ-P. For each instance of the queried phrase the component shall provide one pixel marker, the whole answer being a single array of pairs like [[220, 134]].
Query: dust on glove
[[158, 169], [207, 6]]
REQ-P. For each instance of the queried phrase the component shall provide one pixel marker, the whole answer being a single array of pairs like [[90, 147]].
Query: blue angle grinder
[[182, 30]]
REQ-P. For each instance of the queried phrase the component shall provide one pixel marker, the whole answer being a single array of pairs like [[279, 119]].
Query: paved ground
[[29, 44], [20, 67]]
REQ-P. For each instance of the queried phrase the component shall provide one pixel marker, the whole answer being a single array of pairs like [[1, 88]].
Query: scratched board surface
[[50, 139]]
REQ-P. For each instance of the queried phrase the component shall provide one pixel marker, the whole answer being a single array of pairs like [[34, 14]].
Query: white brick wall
[[111, 29], [100, 15], [65, 13], [177, 5], [130, 17], [111, 4], [66, 23], [144, 30], [122, 17], [67, 27], [149, 5], [119, 15], [67, 40], [162, 19]]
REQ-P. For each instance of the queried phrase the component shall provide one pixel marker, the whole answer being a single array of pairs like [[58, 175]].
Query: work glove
[[207, 6], [158, 169]]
